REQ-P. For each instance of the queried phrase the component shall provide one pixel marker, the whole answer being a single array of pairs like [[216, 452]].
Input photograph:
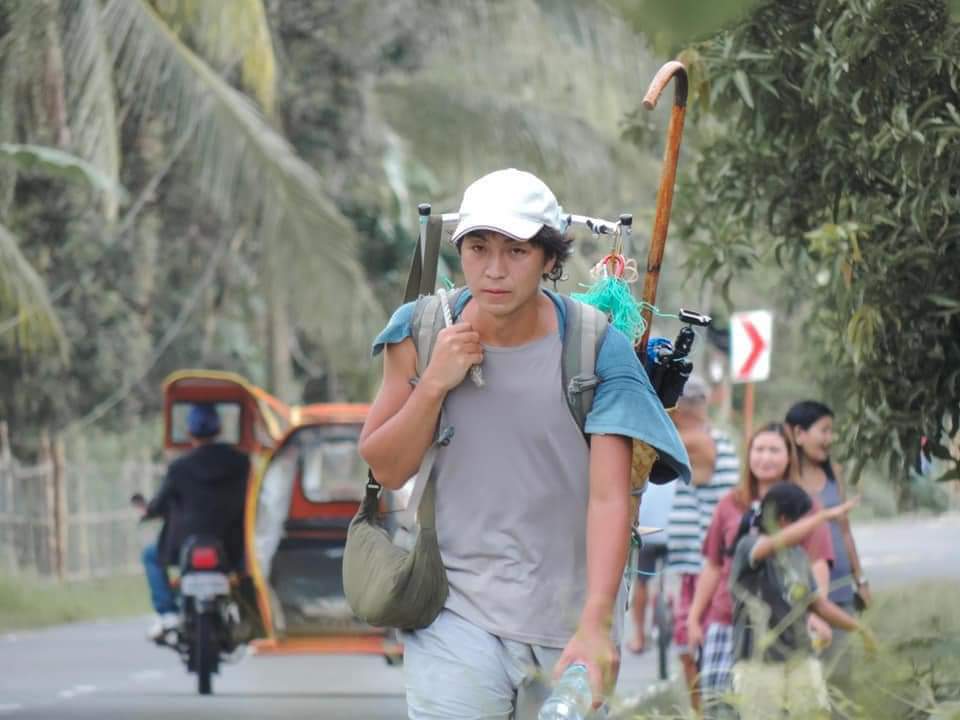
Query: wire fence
[[67, 516]]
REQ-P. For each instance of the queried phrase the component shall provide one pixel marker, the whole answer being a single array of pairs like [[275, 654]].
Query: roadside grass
[[33, 603], [668, 702], [914, 675]]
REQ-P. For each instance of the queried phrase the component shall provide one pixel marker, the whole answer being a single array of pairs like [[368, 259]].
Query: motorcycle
[[210, 628], [208, 614]]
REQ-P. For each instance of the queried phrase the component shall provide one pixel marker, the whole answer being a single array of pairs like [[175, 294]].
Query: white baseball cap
[[513, 202]]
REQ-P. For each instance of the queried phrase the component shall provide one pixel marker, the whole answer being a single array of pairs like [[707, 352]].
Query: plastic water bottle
[[571, 698]]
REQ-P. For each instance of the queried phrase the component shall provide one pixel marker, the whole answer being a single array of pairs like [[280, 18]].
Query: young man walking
[[532, 519]]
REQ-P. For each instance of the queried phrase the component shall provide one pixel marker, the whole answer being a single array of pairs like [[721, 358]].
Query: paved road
[[908, 551], [108, 671]]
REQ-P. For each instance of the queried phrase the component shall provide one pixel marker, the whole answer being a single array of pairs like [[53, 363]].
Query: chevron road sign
[[751, 337]]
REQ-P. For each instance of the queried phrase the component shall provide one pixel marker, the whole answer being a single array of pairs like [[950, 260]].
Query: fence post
[[50, 502], [60, 507], [82, 521], [6, 470]]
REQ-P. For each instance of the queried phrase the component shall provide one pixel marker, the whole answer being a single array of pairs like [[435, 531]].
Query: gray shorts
[[454, 669], [647, 557]]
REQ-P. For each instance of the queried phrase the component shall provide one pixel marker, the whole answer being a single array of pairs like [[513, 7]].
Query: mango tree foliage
[[833, 145]]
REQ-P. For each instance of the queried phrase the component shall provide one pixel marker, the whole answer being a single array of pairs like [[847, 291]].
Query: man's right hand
[[457, 350]]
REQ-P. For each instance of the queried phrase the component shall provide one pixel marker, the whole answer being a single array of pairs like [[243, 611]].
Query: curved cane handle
[[660, 81], [668, 174]]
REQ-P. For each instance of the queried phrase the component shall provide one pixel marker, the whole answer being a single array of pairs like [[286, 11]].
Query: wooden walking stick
[[644, 455], [668, 176]]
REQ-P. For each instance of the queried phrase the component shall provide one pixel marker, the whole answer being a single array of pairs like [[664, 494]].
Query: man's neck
[[529, 322]]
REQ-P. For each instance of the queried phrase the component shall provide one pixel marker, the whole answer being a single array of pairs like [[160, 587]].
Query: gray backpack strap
[[585, 328], [426, 324]]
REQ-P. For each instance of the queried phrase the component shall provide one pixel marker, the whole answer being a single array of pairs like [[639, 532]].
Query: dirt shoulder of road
[[31, 603]]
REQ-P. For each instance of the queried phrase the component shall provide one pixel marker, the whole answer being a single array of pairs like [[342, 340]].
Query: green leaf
[[25, 302], [945, 301], [91, 103], [743, 86], [51, 161]]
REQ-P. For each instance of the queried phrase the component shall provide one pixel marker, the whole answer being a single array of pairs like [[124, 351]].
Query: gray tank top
[[512, 490], [840, 578]]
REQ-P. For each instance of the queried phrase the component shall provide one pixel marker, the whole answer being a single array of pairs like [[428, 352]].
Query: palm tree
[[130, 56]]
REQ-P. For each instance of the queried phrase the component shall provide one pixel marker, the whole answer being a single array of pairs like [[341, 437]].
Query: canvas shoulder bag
[[386, 583]]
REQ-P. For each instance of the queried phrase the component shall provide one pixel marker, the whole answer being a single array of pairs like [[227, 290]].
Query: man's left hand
[[139, 503], [592, 646]]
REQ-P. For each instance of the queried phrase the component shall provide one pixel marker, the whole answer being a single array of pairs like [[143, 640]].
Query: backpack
[[584, 331]]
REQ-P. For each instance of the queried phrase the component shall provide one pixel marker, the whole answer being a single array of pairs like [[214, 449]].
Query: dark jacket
[[204, 492]]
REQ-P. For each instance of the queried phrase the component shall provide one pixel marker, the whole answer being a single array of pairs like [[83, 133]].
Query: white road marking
[[9, 708], [11, 638], [77, 690]]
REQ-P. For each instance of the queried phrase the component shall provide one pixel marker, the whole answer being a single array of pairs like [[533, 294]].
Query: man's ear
[[549, 265]]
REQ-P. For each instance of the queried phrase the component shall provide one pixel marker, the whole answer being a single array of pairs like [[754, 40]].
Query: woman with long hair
[[710, 623], [811, 428]]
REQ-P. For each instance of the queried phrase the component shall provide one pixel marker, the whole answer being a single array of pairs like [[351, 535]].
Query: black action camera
[[668, 368], [667, 363]]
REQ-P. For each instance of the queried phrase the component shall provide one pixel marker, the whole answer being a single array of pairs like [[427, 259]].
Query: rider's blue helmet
[[203, 421]]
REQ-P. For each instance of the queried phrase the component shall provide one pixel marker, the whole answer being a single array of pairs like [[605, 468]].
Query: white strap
[[476, 374]]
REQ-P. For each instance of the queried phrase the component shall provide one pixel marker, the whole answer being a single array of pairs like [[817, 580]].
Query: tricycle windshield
[[230, 421], [332, 468]]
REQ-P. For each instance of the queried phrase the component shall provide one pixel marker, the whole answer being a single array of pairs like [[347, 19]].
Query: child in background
[[776, 674], [710, 621]]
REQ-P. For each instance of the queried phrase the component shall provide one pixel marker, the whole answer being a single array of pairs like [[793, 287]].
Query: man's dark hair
[[555, 244]]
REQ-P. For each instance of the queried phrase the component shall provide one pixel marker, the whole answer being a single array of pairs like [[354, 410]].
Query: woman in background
[[811, 428]]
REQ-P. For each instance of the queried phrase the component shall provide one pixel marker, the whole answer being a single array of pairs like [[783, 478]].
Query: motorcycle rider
[[203, 493]]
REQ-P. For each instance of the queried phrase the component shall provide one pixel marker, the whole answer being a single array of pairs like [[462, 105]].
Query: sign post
[[751, 337]]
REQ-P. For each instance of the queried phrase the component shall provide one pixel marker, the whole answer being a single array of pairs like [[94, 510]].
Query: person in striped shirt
[[713, 457]]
